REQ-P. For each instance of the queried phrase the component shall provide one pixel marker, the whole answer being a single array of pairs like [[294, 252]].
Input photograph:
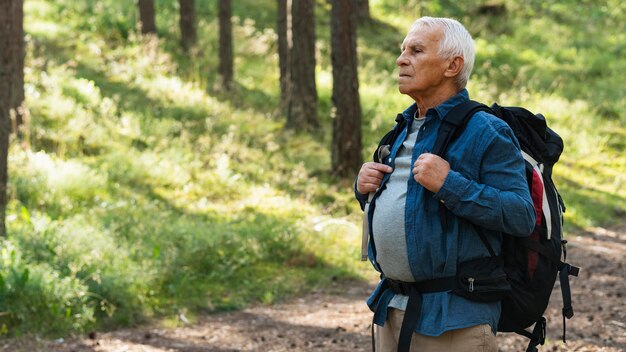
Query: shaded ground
[[338, 320]]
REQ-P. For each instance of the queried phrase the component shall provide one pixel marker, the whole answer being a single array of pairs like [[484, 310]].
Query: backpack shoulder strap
[[452, 126], [390, 138], [454, 123]]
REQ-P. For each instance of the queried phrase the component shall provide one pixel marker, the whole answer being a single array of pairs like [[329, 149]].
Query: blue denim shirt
[[486, 186]]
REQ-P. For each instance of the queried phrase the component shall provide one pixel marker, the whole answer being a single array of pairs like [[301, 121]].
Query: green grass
[[142, 191]]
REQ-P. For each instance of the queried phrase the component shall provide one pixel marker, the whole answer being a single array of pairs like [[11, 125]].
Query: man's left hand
[[430, 171]]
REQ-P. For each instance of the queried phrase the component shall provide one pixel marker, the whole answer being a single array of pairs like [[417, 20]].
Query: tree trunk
[[8, 62], [284, 46], [17, 43], [302, 112], [146, 16], [363, 10], [188, 33], [346, 143], [226, 44]]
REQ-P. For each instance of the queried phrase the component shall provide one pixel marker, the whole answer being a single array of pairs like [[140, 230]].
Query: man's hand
[[430, 171], [371, 176]]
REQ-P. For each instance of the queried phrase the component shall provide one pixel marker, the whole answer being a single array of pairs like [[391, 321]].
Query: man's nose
[[401, 60]]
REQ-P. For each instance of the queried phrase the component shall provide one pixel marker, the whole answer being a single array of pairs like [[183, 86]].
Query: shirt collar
[[440, 110]]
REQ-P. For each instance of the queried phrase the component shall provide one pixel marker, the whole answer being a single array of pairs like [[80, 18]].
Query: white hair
[[456, 41]]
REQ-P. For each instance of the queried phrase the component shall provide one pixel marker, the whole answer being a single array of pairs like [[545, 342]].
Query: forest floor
[[336, 318]]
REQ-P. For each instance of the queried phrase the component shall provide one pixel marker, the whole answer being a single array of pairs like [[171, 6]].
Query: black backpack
[[531, 263]]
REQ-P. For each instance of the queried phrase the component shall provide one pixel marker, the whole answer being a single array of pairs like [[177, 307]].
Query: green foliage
[[146, 191], [36, 298]]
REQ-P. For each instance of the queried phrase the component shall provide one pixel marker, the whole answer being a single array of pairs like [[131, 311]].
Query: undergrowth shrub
[[36, 297]]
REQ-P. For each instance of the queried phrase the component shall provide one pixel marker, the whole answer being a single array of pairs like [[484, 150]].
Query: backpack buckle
[[383, 152], [568, 312]]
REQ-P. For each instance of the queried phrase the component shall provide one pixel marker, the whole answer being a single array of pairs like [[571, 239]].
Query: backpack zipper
[[484, 280]]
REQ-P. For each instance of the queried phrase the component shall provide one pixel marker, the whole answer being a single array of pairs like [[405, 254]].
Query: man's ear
[[454, 66]]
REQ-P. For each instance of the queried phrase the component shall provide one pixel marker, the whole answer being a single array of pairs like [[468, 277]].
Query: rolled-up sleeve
[[501, 200]]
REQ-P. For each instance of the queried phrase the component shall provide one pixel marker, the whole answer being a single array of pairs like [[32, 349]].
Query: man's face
[[421, 67]]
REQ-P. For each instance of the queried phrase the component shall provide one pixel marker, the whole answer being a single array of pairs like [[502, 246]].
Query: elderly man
[[427, 214]]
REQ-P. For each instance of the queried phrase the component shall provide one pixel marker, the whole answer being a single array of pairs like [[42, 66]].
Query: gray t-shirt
[[388, 220]]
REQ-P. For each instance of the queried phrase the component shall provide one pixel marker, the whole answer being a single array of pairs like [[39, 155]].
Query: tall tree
[[302, 111], [146, 16], [188, 35], [283, 28], [17, 40], [9, 52], [363, 10], [226, 44], [346, 142]]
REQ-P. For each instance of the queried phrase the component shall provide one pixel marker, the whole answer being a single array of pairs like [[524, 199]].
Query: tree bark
[[17, 44], [8, 63], [302, 112], [284, 46], [226, 44], [363, 10], [146, 16], [188, 35], [346, 142]]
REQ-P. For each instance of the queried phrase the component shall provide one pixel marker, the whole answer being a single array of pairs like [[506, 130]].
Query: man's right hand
[[370, 177]]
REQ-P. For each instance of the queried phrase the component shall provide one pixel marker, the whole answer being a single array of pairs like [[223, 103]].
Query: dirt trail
[[338, 320]]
